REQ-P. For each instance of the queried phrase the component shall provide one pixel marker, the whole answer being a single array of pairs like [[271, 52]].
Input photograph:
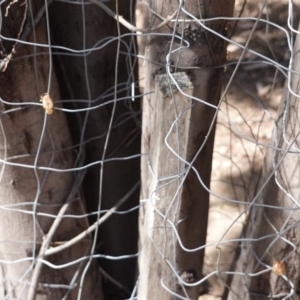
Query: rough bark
[[31, 197], [205, 52], [275, 230], [90, 76]]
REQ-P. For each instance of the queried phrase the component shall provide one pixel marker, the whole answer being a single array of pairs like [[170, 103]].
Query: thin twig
[[128, 25], [85, 233], [21, 27], [48, 237], [28, 28], [114, 281], [4, 62], [23, 34]]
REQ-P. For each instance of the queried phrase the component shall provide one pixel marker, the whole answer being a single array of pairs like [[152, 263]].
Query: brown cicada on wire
[[47, 103]]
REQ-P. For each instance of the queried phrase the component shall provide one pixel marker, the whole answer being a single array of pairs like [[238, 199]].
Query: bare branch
[[48, 237], [128, 25], [84, 234]]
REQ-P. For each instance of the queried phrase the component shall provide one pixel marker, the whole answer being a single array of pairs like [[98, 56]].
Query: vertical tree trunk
[[190, 206], [91, 77], [31, 195], [273, 232]]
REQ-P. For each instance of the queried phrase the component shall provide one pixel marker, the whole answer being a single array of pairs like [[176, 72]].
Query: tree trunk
[[165, 261], [91, 77], [32, 194], [274, 231]]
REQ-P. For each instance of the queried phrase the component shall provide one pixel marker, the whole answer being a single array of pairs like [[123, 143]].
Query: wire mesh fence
[[149, 149]]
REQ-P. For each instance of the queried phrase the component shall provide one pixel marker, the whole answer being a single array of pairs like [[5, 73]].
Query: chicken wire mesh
[[74, 75]]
